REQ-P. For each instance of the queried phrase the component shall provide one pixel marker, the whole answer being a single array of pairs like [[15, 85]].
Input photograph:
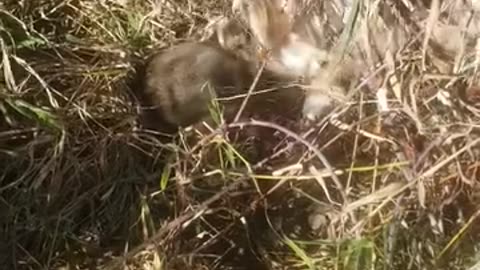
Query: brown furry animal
[[176, 87]]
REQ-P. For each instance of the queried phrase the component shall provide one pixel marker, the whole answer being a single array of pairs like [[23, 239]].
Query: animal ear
[[272, 24], [289, 7], [266, 19], [228, 33]]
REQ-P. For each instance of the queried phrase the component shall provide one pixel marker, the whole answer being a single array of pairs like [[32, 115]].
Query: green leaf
[[300, 253], [165, 177], [34, 113]]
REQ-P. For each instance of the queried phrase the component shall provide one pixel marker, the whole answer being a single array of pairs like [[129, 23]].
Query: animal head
[[278, 29], [273, 25]]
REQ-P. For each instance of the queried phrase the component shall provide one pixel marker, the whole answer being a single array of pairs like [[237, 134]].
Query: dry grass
[[81, 187]]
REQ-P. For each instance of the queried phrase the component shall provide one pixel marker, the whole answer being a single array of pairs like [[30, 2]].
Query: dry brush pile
[[387, 180]]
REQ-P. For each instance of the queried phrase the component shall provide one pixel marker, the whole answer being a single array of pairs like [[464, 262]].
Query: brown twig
[[250, 90]]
